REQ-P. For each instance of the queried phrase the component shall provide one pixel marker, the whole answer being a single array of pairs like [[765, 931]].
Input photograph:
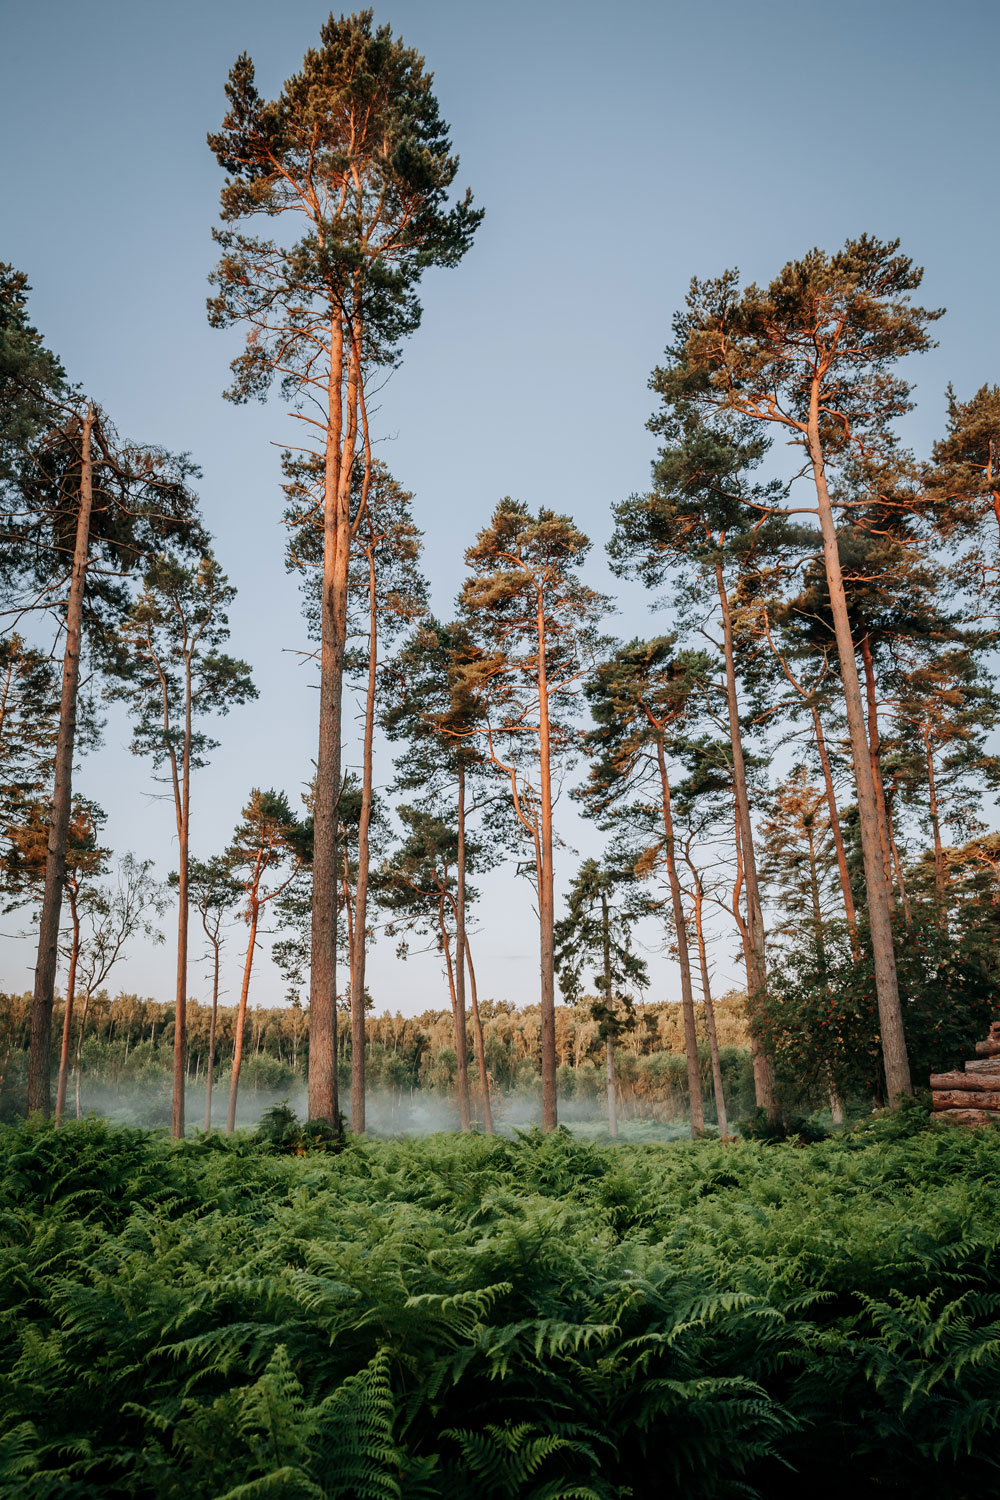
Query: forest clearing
[[499, 765]]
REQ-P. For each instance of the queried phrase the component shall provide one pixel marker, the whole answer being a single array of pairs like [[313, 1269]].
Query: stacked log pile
[[971, 1097]]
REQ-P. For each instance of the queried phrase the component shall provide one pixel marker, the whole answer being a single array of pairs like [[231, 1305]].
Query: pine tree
[[601, 911], [535, 624], [355, 150]]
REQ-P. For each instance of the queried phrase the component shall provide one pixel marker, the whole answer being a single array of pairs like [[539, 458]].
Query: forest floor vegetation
[[540, 1317]]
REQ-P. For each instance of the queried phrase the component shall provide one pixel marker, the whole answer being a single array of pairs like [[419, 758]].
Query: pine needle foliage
[[454, 1316]]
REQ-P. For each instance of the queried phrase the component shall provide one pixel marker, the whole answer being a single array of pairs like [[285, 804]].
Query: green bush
[[463, 1316]]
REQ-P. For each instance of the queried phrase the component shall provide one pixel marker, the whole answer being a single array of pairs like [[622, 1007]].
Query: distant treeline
[[127, 1042]]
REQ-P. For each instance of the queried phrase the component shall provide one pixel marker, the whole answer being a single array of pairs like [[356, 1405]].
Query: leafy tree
[[24, 860], [214, 892], [433, 703], [814, 354], [696, 519], [535, 624], [85, 510], [267, 852], [964, 478], [110, 917], [597, 928], [175, 674], [354, 148]]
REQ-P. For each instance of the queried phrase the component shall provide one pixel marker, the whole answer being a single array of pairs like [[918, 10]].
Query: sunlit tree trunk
[[546, 893], [39, 1066], [359, 942], [210, 1068], [683, 954], [875, 755], [323, 1102], [609, 1040], [763, 1075], [706, 990], [460, 944], [484, 1077], [241, 1016], [183, 914], [897, 1067], [835, 829]]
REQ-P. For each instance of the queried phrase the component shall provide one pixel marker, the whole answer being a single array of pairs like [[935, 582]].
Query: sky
[[617, 152]]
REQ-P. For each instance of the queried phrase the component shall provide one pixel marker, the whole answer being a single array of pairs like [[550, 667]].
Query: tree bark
[[234, 1082], [323, 1101], [460, 943], [897, 1067], [838, 837], [875, 754], [683, 953], [210, 1069], [39, 1062], [546, 892], [359, 945], [484, 1077], [763, 1074], [609, 1040], [706, 990], [68, 1016], [183, 914]]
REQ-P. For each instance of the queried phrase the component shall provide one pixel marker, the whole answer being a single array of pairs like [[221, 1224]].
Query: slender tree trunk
[[461, 1040], [897, 1067], [78, 1060], [484, 1077], [74, 955], [683, 954], [897, 865], [323, 1102], [609, 1039], [183, 914], [210, 1068], [835, 829], [234, 1082], [706, 991], [360, 940], [875, 754], [460, 945], [940, 869], [39, 1062], [546, 891], [763, 1073]]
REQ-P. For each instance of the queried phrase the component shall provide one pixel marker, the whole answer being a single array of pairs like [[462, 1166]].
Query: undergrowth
[[448, 1317]]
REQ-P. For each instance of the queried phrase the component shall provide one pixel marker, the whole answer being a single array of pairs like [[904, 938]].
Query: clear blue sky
[[617, 150]]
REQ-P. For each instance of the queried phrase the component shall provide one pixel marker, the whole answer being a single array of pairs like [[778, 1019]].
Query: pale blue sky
[[616, 150]]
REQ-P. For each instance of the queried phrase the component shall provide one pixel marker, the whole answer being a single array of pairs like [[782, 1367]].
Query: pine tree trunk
[[234, 1082], [74, 956], [323, 1102], [79, 1056], [875, 754], [359, 945], [183, 914], [683, 954], [609, 1040], [546, 891], [39, 1062], [838, 837], [940, 868], [897, 1067], [210, 1068], [460, 942], [461, 1041], [706, 991], [763, 1074], [484, 1077]]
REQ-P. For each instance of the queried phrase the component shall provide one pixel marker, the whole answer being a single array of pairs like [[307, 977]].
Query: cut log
[[984, 1065], [972, 1081], [964, 1099], [967, 1116], [989, 1048]]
